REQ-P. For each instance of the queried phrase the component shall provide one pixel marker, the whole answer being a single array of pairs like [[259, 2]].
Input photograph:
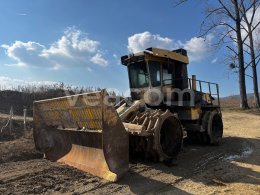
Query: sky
[[80, 42]]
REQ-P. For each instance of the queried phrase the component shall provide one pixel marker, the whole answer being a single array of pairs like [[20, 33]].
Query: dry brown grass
[[233, 103], [24, 96]]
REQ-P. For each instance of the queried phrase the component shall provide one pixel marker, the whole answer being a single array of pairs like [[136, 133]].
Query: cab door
[[154, 96], [168, 82]]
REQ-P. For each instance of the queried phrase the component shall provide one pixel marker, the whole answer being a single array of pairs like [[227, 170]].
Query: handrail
[[209, 85]]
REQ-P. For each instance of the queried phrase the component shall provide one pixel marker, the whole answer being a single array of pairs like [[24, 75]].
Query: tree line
[[23, 96]]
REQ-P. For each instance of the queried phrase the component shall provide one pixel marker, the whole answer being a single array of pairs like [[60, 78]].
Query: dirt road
[[233, 167]]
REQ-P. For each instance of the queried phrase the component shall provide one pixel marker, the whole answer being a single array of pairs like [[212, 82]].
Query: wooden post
[[11, 120], [24, 120]]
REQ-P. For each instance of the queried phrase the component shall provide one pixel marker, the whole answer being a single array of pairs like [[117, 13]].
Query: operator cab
[[155, 74]]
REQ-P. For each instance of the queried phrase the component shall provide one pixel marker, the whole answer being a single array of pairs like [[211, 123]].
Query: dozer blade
[[83, 131]]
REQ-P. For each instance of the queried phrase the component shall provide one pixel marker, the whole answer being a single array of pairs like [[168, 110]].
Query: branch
[[214, 25], [226, 24], [180, 2], [248, 76], [236, 71], [254, 10], [247, 52], [228, 12], [233, 38], [254, 27], [257, 61], [243, 28], [247, 45], [245, 10], [232, 50], [252, 61]]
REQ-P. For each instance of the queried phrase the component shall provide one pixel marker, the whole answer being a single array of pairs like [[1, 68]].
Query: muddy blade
[[100, 147]]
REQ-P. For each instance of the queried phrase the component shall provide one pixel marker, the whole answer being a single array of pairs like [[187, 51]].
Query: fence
[[9, 122], [8, 127]]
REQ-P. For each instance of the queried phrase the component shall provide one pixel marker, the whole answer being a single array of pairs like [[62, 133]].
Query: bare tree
[[250, 27], [223, 18], [240, 52]]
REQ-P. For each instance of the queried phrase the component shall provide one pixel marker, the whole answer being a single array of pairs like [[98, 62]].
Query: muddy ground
[[233, 167]]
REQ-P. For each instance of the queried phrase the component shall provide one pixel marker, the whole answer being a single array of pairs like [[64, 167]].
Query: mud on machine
[[90, 133]]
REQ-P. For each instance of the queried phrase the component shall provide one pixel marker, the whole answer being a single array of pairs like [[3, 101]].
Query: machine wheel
[[168, 138], [215, 128], [163, 136], [198, 137], [204, 135]]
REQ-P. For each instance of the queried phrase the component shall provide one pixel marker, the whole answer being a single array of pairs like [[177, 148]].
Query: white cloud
[[117, 59], [97, 59], [21, 14], [115, 56], [141, 41], [214, 60], [10, 83], [198, 48], [25, 54], [74, 48], [89, 69]]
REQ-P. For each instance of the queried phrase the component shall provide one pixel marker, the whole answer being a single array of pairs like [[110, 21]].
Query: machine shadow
[[210, 165], [140, 184]]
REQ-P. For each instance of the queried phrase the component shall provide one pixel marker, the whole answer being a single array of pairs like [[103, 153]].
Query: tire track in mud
[[58, 178], [199, 166], [204, 165], [213, 164], [48, 177], [131, 179]]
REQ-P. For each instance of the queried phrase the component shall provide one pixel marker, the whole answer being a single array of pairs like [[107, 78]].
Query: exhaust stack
[[194, 85]]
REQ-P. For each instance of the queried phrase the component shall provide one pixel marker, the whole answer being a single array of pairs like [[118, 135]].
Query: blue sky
[[80, 42]]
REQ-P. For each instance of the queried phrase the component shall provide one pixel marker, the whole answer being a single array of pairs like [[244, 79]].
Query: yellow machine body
[[83, 131]]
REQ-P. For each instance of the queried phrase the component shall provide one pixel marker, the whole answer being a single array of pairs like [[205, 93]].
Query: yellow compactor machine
[[90, 133]]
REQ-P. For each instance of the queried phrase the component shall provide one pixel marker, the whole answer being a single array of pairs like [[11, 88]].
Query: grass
[[233, 104]]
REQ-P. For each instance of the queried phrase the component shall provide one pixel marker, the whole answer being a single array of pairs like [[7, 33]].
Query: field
[[233, 167]]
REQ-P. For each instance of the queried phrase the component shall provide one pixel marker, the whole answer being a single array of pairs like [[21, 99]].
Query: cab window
[[138, 75], [167, 73], [155, 73]]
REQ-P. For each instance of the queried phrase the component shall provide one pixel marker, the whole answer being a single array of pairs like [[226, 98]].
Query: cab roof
[[179, 55]]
